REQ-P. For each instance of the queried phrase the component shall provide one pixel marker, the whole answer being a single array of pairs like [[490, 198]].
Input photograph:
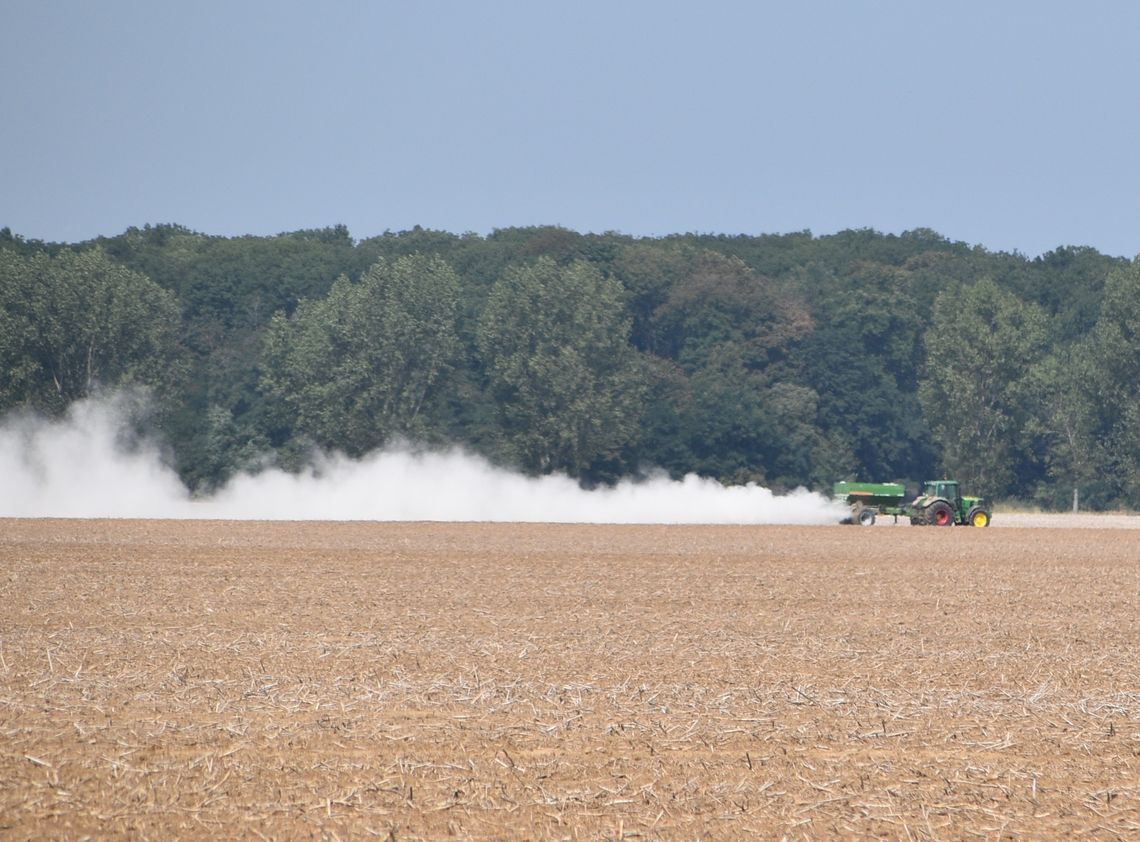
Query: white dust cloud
[[79, 467]]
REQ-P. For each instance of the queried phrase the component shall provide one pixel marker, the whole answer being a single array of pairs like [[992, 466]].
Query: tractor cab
[[947, 489]]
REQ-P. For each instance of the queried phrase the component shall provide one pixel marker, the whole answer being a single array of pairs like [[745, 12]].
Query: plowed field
[[428, 681]]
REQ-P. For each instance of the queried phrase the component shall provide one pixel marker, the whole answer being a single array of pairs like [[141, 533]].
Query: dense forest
[[785, 360]]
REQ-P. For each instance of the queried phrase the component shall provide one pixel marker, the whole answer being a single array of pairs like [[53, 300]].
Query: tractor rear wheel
[[939, 513]]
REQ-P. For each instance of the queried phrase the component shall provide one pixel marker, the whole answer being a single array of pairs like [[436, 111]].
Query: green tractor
[[939, 504]]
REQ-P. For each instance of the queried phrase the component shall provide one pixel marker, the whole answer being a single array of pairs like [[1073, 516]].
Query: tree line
[[785, 360]]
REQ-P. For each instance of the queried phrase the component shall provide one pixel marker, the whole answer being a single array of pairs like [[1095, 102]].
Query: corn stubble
[[428, 681]]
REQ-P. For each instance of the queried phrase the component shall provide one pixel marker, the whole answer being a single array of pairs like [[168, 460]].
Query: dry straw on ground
[[426, 681]]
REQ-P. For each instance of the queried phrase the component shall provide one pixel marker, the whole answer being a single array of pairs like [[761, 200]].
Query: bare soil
[[471, 681], [1067, 521]]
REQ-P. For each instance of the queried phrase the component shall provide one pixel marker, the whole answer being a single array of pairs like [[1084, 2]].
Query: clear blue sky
[[1014, 125]]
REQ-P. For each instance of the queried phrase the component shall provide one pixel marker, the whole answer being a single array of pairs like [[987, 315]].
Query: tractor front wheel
[[979, 518], [939, 513]]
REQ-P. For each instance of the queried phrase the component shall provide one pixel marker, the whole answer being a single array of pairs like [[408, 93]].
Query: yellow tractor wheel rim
[[981, 519]]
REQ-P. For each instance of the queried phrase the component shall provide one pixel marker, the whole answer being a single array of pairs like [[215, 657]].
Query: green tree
[[976, 390], [1069, 282], [648, 271], [729, 432], [720, 300], [77, 321], [355, 368], [744, 425], [569, 388], [1107, 399], [1066, 421], [862, 360]]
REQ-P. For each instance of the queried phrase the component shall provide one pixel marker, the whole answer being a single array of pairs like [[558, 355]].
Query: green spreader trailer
[[939, 504]]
